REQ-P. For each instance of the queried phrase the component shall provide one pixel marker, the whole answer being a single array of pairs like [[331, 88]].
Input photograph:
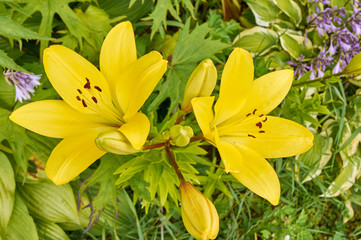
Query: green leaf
[[132, 12], [291, 9], [256, 40], [264, 11], [7, 92], [50, 231], [14, 30], [7, 190], [8, 62], [295, 45], [21, 225]]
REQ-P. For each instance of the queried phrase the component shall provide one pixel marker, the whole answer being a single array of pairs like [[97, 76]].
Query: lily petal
[[202, 108], [78, 82], [231, 157], [136, 130], [236, 83], [267, 93], [272, 137], [118, 52], [137, 83], [258, 175], [73, 155], [55, 118]]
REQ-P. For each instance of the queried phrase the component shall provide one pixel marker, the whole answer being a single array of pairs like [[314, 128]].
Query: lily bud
[[199, 215], [180, 135], [115, 142], [200, 84], [354, 66]]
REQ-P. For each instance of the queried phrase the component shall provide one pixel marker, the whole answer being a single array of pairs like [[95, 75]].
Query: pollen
[[254, 111], [78, 98], [259, 124], [98, 88], [249, 135], [95, 99], [87, 85], [83, 102], [264, 120]]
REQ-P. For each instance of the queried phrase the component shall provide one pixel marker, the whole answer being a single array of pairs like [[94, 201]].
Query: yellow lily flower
[[241, 129], [93, 101]]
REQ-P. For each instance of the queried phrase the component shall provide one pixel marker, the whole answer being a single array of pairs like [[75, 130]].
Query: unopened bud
[[115, 142], [354, 66], [199, 215], [180, 135], [200, 84]]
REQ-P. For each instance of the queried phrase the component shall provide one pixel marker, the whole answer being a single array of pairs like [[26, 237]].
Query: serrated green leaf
[[132, 11], [7, 93], [8, 62], [7, 192], [256, 40], [14, 30], [21, 225]]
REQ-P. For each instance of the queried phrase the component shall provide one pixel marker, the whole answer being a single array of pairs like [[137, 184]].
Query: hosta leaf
[[295, 44], [291, 9], [21, 225], [7, 192], [264, 11], [256, 40], [50, 231]]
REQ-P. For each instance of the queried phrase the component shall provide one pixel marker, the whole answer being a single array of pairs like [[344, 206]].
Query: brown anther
[[249, 135], [83, 102], [94, 99], [98, 88], [264, 119], [261, 131], [259, 124], [261, 115], [254, 111], [79, 91], [249, 114], [87, 85], [78, 98]]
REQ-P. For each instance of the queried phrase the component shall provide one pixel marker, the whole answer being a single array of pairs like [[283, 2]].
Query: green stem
[[5, 149], [196, 138], [152, 146], [318, 79], [180, 118]]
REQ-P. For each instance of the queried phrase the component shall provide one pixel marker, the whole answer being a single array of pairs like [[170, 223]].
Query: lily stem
[[196, 138], [174, 163], [318, 79], [152, 146], [180, 118]]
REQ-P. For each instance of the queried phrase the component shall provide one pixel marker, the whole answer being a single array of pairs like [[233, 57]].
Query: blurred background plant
[[136, 196]]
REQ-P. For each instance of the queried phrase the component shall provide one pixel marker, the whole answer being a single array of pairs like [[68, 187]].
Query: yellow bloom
[[199, 215], [200, 84], [93, 101], [241, 130]]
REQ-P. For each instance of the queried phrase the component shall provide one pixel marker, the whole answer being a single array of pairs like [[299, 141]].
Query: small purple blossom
[[24, 83]]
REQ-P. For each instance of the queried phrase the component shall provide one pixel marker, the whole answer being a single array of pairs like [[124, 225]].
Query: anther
[[79, 91], [249, 114], [98, 88], [78, 98], [94, 99], [87, 85], [261, 115], [254, 111], [259, 124], [249, 135], [264, 119], [261, 131], [83, 102]]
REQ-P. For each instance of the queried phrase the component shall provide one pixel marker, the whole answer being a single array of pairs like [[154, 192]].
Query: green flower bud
[[180, 135], [199, 215], [354, 66], [200, 84], [115, 142]]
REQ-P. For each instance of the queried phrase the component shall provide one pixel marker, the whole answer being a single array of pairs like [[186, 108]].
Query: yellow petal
[[137, 83], [136, 130], [272, 137], [267, 93], [236, 84], [202, 108], [73, 155], [54, 118], [78, 82], [231, 157], [258, 175], [118, 52]]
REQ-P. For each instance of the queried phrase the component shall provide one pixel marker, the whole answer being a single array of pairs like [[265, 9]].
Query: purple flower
[[24, 83]]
